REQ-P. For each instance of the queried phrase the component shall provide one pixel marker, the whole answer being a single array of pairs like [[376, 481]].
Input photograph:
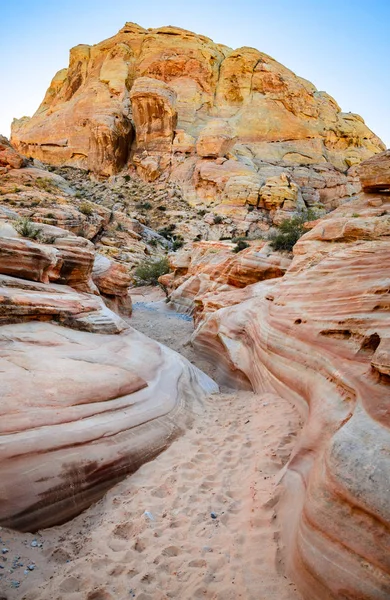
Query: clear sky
[[342, 46]]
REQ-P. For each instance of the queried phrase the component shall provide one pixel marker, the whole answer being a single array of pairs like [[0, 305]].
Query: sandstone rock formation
[[205, 269], [85, 399], [218, 122], [320, 337], [375, 173], [80, 411], [9, 158]]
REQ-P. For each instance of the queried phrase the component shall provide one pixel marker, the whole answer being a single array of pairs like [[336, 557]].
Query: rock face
[[85, 399], [217, 121], [155, 118], [320, 337], [79, 412], [375, 173], [9, 158], [205, 269]]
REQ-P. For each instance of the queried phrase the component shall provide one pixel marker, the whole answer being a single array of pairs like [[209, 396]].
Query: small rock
[[213, 515], [149, 515], [31, 567], [4, 550], [34, 544]]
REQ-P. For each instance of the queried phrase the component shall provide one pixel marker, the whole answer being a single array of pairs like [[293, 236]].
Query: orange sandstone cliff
[[236, 129]]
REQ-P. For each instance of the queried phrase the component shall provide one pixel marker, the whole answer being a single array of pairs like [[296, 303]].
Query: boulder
[[374, 173], [113, 281], [9, 158]]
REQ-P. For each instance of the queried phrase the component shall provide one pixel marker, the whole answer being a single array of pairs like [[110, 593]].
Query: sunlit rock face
[[375, 173], [9, 157], [320, 337], [220, 122]]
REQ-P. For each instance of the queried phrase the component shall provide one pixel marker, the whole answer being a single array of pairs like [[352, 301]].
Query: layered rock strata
[[206, 269], [320, 337], [221, 123], [85, 399]]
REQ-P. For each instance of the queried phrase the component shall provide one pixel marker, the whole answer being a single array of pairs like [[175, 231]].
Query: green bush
[[44, 183], [167, 231], [148, 271], [178, 242], [290, 230], [27, 229], [86, 209], [241, 245]]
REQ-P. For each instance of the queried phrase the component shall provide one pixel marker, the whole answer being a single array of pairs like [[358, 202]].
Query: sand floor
[[196, 522]]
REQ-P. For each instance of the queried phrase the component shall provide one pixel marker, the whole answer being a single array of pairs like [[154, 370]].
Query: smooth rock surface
[[320, 338]]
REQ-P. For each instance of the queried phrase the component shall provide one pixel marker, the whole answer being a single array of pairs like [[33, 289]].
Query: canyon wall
[[320, 337], [85, 399]]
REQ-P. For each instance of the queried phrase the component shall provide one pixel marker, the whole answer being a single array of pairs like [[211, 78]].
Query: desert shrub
[[44, 183], [202, 212], [78, 195], [178, 242], [355, 215], [218, 219], [143, 205], [290, 230], [162, 208], [50, 215], [167, 231], [241, 245], [86, 209], [27, 229], [149, 270], [126, 177], [120, 227]]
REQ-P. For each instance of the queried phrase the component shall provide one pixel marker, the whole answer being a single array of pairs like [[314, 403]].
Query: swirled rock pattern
[[209, 268], [320, 337], [85, 399], [79, 412], [169, 103]]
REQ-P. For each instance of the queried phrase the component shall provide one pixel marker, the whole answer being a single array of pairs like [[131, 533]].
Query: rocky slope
[[84, 404], [237, 131], [320, 337]]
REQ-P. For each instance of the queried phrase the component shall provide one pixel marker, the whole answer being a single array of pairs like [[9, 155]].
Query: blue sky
[[343, 47]]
